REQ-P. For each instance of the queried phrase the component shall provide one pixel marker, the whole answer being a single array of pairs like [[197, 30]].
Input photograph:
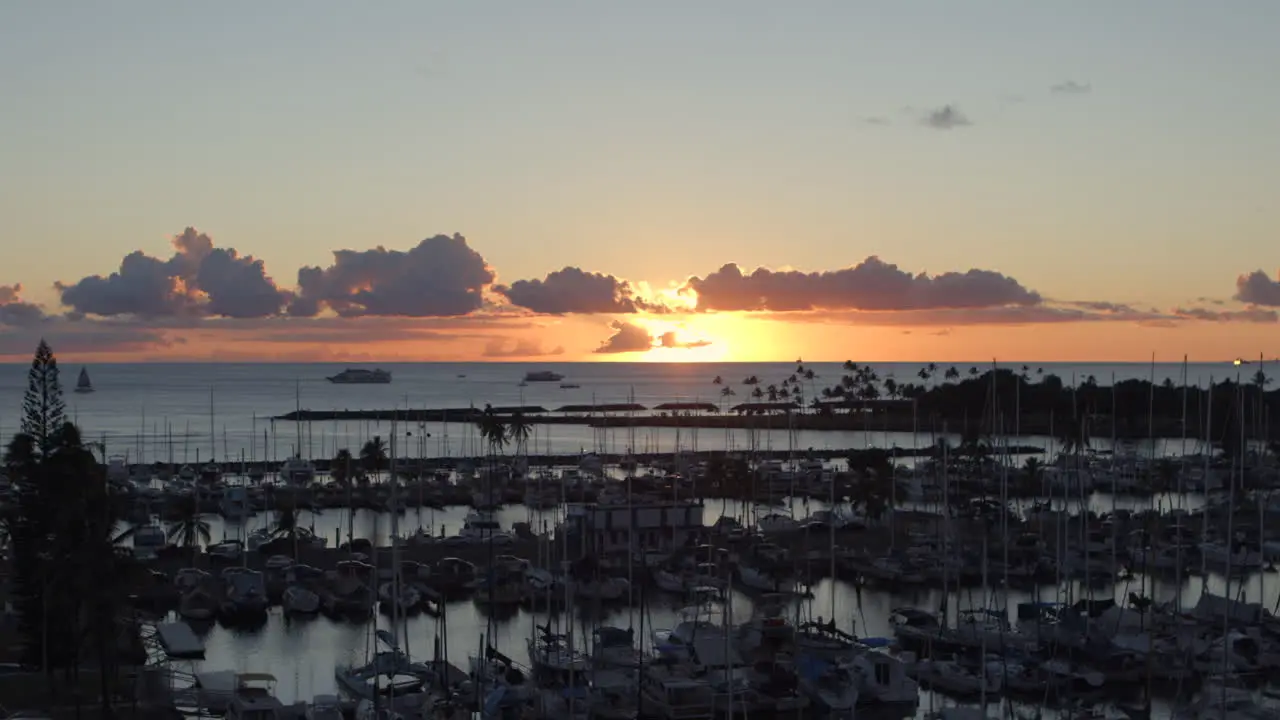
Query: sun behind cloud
[[719, 337]]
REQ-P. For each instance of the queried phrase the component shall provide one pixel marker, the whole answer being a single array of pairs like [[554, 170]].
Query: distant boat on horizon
[[82, 383], [542, 376], [357, 376]]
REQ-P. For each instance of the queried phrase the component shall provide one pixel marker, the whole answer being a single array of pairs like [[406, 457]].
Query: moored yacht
[[297, 471], [482, 525]]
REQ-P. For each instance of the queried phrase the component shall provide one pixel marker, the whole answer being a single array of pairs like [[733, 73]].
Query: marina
[[930, 576]]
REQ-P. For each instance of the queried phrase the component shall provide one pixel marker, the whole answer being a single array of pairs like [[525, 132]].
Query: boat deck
[[179, 641]]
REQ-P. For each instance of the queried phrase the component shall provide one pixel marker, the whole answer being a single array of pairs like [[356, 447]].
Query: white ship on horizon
[[358, 376]]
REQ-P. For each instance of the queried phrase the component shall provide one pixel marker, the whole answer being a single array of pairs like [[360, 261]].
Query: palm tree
[[727, 392], [373, 456], [952, 373], [494, 433], [973, 372], [717, 380], [519, 428], [340, 468], [188, 529], [493, 430]]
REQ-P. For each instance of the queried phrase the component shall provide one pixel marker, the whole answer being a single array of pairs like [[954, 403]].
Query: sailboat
[[82, 384]]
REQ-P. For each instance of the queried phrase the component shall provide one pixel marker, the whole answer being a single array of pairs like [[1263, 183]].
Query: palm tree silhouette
[[493, 430], [519, 428], [188, 530], [373, 456], [340, 467]]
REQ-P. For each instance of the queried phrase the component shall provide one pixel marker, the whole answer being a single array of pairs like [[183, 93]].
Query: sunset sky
[[667, 181]]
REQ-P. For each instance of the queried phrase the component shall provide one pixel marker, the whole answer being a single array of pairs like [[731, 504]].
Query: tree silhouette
[[519, 428], [69, 571], [43, 409], [340, 468], [373, 456], [188, 529]]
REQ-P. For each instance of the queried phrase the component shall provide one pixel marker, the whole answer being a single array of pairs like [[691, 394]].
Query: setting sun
[[721, 337]]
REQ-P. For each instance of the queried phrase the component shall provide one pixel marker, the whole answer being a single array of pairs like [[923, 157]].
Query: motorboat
[[297, 471], [148, 540], [198, 605], [398, 600], [255, 698], [117, 469], [324, 707], [615, 647], [246, 594], [358, 376], [480, 525], [298, 600], [235, 505]]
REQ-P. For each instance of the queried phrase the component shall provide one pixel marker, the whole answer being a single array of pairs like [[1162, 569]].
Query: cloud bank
[[442, 290]]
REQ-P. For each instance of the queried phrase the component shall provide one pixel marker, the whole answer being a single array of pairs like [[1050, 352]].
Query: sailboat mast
[[213, 443]]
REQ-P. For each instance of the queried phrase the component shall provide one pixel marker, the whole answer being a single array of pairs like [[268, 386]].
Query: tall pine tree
[[43, 409]]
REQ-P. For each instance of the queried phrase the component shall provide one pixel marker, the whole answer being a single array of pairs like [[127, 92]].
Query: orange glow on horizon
[[728, 337]]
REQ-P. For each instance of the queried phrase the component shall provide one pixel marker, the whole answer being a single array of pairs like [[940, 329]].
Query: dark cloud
[[573, 290], [956, 317], [1044, 313], [1257, 288], [627, 337], [1071, 87], [440, 277], [669, 339], [947, 117], [870, 285], [197, 280], [14, 312], [81, 336], [1248, 315], [1102, 306], [518, 348]]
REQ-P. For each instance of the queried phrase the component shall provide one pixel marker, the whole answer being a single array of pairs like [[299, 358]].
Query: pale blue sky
[[651, 139]]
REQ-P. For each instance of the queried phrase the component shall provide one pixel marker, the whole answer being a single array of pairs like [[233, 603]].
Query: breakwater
[[999, 401]]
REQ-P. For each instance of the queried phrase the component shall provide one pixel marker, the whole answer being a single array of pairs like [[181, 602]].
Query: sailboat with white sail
[[83, 385]]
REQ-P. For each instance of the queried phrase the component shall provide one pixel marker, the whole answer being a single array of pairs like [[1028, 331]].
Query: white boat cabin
[[255, 698]]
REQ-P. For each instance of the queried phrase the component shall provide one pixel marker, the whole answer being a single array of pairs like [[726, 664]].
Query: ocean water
[[190, 411]]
